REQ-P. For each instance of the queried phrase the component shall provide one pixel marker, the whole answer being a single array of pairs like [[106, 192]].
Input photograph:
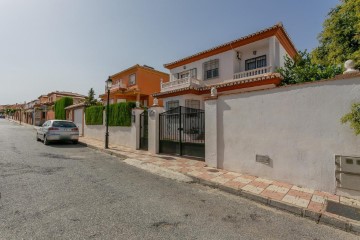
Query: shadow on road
[[65, 145]]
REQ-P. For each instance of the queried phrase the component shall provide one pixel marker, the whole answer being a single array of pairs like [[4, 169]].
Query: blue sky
[[73, 45]]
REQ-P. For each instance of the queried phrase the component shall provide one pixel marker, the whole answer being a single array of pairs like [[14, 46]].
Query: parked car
[[2, 116], [58, 130]]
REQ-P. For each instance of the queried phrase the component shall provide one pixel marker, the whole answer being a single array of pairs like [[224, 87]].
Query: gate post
[[211, 132], [135, 127], [154, 125]]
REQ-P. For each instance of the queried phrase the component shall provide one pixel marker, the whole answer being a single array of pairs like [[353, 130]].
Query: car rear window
[[63, 124]]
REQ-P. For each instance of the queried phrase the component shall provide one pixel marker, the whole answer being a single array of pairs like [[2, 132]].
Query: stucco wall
[[298, 127], [125, 136]]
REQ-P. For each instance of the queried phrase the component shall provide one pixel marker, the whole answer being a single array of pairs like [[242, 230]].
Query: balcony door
[[189, 73], [254, 63]]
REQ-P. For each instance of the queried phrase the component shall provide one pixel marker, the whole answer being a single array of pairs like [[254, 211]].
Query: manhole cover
[[213, 170], [343, 210]]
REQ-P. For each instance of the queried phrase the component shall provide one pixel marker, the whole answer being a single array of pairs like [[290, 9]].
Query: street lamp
[[108, 84]]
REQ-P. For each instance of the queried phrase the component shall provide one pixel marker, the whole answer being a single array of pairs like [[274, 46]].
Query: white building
[[245, 64]]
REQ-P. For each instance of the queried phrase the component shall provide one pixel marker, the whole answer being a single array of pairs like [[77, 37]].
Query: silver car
[[58, 130]]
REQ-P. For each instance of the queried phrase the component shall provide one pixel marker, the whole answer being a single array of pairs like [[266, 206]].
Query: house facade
[[245, 64], [29, 111], [136, 84], [54, 96], [43, 107]]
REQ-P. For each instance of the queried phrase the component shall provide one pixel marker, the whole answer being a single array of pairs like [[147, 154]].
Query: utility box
[[347, 172]]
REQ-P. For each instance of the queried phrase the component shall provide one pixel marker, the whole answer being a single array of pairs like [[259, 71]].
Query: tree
[[340, 38], [60, 106], [301, 69], [90, 99]]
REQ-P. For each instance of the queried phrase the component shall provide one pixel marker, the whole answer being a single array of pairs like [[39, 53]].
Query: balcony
[[118, 85], [181, 83], [253, 72]]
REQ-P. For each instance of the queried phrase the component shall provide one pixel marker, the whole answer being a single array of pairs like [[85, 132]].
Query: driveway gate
[[182, 132], [144, 130]]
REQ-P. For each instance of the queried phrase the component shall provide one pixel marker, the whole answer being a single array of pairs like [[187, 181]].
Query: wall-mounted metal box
[[348, 172]]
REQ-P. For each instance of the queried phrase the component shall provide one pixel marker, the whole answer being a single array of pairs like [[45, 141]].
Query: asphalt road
[[66, 191]]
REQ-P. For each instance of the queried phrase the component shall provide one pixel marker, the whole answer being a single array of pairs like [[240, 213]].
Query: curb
[[103, 150], [339, 223]]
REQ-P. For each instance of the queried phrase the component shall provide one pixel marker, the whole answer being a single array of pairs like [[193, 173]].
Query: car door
[[43, 128]]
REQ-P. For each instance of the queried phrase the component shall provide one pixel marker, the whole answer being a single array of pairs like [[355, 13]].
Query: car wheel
[[75, 142], [46, 142]]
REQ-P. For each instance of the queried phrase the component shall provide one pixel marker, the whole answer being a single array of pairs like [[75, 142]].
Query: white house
[[245, 64]]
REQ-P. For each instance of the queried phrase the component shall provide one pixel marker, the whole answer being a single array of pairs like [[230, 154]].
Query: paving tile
[[259, 184], [235, 185], [273, 194], [176, 168], [220, 180], [315, 206], [301, 189], [278, 189], [299, 194], [248, 177], [350, 201], [195, 173], [318, 199], [252, 189], [242, 180], [234, 174], [229, 176], [206, 176], [282, 184], [263, 180], [296, 201]]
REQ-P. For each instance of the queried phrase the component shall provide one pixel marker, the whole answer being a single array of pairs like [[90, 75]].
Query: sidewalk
[[301, 201]]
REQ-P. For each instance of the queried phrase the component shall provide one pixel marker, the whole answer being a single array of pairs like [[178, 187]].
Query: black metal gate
[[144, 130], [182, 132]]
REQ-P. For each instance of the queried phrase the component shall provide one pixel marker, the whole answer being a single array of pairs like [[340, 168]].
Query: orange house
[[136, 84]]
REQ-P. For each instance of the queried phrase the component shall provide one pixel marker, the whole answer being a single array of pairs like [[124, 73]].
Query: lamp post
[[108, 84]]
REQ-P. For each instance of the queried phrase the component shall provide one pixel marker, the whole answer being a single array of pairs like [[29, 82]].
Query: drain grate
[[343, 210]]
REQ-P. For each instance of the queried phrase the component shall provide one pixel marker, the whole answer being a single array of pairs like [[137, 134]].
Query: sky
[[74, 45]]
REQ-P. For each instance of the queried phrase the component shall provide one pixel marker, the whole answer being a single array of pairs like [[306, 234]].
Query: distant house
[[245, 64], [136, 83], [43, 108]]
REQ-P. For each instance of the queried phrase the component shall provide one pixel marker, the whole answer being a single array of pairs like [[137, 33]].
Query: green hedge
[[60, 106], [120, 114], [94, 115]]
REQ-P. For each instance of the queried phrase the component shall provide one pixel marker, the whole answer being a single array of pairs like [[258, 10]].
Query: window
[[132, 79], [190, 103], [211, 69], [254, 63], [63, 124], [172, 104]]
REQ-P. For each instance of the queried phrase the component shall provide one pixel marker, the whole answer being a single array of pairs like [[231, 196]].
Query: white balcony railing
[[181, 83], [117, 85], [253, 72]]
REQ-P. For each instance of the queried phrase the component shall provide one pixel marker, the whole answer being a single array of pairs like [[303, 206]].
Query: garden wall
[[298, 127]]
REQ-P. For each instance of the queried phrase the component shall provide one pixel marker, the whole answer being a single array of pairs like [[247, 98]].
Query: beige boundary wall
[[297, 126], [124, 136]]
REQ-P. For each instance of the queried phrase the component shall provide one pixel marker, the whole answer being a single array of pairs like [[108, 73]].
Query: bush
[[60, 106], [94, 115], [120, 114], [353, 117]]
